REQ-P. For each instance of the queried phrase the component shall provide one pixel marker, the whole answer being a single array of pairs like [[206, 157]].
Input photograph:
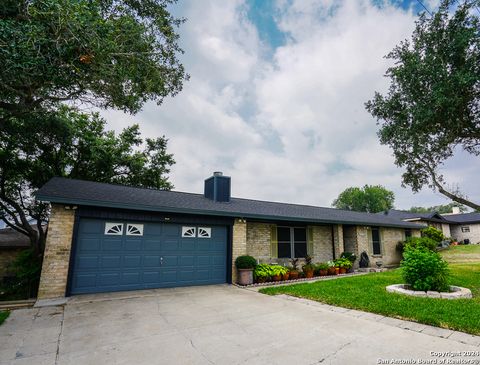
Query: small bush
[[433, 234], [245, 262], [323, 266], [344, 263], [425, 270], [420, 242]]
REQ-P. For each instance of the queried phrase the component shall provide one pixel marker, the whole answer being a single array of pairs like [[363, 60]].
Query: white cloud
[[291, 127]]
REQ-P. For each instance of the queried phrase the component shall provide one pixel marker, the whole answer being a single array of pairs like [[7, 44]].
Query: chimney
[[217, 187], [455, 210]]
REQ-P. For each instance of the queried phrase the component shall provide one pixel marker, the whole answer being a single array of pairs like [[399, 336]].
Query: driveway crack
[[333, 354], [60, 335]]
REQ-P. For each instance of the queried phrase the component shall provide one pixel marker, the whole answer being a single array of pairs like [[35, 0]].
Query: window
[[408, 233], [292, 242], [114, 229], [134, 229], [188, 231], [465, 229], [204, 232], [376, 241]]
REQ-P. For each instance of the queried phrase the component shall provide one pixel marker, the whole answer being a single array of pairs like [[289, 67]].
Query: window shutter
[[310, 241], [273, 241]]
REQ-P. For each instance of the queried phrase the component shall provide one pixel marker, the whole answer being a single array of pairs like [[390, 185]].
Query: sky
[[276, 100]]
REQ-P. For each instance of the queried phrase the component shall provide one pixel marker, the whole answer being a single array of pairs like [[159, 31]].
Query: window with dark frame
[[465, 229], [376, 241], [292, 242]]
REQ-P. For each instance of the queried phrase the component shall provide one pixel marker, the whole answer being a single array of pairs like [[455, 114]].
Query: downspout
[[333, 243]]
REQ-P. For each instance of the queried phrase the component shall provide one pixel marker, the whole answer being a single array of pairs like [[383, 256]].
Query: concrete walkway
[[215, 325]]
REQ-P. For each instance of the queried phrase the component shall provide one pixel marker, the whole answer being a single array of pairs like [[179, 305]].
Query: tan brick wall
[[7, 256], [338, 240], [239, 243], [259, 240], [53, 281], [322, 243]]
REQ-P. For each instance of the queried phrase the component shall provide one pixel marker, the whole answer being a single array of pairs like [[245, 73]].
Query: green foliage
[[308, 267], [278, 270], [245, 262], [425, 270], [26, 268], [344, 263], [433, 233], [3, 316], [417, 242], [349, 256], [267, 270], [294, 263], [440, 209], [322, 266], [370, 198], [111, 54], [431, 109]]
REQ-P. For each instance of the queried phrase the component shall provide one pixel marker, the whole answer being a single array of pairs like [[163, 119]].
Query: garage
[[115, 255]]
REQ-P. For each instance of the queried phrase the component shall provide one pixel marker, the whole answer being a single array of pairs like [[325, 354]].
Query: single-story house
[[105, 237], [462, 227], [11, 244]]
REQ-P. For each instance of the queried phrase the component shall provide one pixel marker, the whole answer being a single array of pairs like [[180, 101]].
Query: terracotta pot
[[337, 270], [286, 276], [277, 277], [343, 270], [323, 272], [331, 271], [309, 274], [293, 275], [245, 276]]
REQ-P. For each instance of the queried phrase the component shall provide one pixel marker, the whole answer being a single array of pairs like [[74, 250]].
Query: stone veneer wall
[[259, 240], [53, 281], [239, 243], [473, 235], [322, 243]]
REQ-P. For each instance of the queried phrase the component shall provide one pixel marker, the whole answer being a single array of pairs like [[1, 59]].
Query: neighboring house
[[432, 219], [465, 226], [11, 244], [105, 237]]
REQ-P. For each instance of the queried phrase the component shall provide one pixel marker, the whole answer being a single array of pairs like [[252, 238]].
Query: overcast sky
[[276, 100]]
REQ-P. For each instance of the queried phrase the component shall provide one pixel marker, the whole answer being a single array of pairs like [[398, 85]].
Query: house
[[432, 219], [105, 237], [11, 244]]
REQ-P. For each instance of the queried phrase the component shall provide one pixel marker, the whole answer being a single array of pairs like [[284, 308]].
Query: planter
[[286, 276], [293, 275], [245, 276], [343, 270], [337, 270], [309, 274], [277, 277], [331, 271], [323, 272]]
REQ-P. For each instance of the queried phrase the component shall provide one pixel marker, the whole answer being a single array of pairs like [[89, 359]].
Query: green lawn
[[367, 293], [462, 254], [3, 316]]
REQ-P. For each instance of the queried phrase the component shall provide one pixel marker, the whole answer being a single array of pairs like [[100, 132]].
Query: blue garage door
[[121, 255]]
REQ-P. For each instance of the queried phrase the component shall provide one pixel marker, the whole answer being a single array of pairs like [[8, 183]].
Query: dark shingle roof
[[473, 217], [79, 192], [10, 238], [404, 215]]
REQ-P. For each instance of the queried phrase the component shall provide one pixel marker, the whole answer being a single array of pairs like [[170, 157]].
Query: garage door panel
[[160, 257]]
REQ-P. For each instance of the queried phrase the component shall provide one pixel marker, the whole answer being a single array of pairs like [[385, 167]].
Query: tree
[[74, 145], [109, 54], [370, 198], [432, 108], [441, 209]]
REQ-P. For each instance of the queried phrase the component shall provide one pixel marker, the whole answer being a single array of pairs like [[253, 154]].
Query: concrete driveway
[[213, 325]]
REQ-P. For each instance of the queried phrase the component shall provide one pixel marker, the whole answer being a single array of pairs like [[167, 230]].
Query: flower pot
[[331, 271], [293, 275], [286, 276], [343, 270], [337, 270], [245, 276], [323, 272], [309, 274], [277, 277]]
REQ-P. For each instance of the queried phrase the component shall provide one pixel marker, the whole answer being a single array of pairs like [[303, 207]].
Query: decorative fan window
[[188, 231], [115, 229], [134, 229], [204, 232]]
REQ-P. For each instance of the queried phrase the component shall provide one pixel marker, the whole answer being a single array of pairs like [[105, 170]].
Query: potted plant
[[308, 268], [331, 268], [286, 275], [343, 265], [245, 265], [262, 273], [351, 257], [322, 269], [294, 269]]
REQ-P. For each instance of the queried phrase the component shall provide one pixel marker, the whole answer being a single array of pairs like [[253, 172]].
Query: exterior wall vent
[[217, 187]]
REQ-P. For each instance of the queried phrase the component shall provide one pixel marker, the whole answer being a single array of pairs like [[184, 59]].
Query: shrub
[[323, 266], [433, 234], [262, 271], [343, 262], [418, 242], [424, 270], [245, 262], [278, 270], [349, 256]]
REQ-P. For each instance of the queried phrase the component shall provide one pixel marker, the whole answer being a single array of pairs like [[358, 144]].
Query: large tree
[[70, 144], [109, 54], [370, 198], [432, 108]]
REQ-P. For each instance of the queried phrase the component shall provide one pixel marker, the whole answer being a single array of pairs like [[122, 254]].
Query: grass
[[367, 293], [3, 316], [462, 254]]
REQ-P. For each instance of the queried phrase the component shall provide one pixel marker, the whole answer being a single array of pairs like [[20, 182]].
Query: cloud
[[289, 126]]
